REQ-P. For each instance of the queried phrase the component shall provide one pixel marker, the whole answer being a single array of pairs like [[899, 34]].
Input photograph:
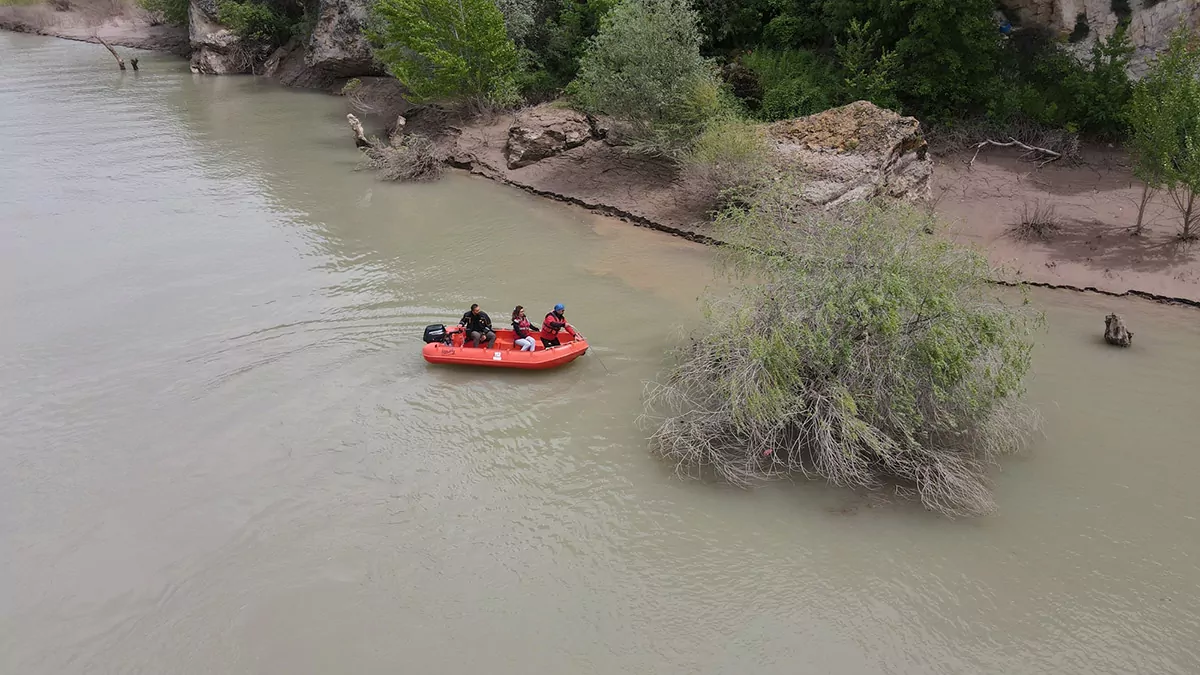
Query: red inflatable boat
[[503, 354]]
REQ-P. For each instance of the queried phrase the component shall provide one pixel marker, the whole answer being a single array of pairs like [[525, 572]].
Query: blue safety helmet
[[559, 307]]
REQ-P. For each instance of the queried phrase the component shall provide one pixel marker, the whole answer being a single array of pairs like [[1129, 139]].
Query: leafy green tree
[[949, 54], [254, 22], [1165, 122], [174, 12], [445, 50], [644, 68], [868, 77]]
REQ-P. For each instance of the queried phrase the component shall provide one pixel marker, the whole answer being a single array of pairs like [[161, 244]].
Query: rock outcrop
[[337, 46], [542, 132], [1150, 21], [336, 49], [855, 152], [215, 48]]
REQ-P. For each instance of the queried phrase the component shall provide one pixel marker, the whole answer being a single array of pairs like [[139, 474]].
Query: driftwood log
[[120, 61], [360, 136], [1115, 332], [1046, 154]]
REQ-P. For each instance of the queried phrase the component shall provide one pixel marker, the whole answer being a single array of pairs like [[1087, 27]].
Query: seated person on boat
[[478, 326]]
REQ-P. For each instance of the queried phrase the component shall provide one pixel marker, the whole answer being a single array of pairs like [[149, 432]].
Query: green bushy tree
[[255, 22], [445, 50], [174, 12], [869, 76], [854, 346], [1165, 121], [644, 69]]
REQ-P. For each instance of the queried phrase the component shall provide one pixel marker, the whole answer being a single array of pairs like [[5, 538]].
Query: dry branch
[[1047, 154], [120, 61]]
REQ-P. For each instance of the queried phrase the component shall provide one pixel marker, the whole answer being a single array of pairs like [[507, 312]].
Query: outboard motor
[[436, 333]]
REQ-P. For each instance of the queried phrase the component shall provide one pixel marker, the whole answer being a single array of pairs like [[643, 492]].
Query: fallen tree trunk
[[120, 61], [1048, 154]]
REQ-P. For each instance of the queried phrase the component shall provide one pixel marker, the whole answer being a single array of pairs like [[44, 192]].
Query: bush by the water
[[409, 158], [856, 347]]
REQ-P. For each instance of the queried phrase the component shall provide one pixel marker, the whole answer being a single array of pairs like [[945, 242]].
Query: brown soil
[[1094, 202], [1095, 205], [595, 175], [118, 24]]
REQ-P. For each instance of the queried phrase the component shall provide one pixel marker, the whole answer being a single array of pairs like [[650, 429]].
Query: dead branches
[[1046, 155], [120, 61]]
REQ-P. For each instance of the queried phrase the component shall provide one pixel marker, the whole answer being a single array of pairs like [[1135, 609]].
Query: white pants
[[526, 343]]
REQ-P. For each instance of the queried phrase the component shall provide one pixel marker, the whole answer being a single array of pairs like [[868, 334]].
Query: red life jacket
[[552, 324], [521, 327]]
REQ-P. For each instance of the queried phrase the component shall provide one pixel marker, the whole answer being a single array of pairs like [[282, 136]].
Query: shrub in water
[[855, 347]]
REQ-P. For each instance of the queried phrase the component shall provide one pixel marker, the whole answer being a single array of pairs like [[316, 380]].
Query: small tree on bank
[[644, 69], [1165, 124], [856, 348], [445, 50]]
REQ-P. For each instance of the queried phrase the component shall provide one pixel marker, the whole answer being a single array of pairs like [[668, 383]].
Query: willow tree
[[445, 50], [855, 347], [1165, 125]]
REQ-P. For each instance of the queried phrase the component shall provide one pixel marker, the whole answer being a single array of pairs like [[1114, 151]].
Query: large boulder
[[854, 152], [544, 131], [338, 46], [215, 48]]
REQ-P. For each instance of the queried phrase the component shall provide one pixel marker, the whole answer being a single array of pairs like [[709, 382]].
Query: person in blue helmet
[[554, 322]]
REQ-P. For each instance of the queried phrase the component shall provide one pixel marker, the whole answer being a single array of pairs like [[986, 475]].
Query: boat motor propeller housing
[[436, 333]]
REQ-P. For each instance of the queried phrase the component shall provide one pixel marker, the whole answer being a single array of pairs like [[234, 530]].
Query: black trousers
[[550, 343], [476, 336]]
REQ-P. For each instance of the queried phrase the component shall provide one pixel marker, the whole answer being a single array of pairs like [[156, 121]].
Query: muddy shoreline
[[120, 31], [1093, 199]]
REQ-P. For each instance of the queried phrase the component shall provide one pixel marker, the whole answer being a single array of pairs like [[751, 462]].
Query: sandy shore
[[131, 29], [1094, 200], [1095, 205]]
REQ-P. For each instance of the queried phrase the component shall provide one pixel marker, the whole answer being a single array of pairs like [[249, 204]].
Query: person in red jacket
[[554, 322]]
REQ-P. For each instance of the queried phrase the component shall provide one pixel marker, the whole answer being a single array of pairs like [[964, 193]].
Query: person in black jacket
[[478, 326]]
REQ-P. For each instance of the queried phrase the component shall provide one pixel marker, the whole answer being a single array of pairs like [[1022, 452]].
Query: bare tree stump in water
[[120, 61], [1115, 332], [360, 136]]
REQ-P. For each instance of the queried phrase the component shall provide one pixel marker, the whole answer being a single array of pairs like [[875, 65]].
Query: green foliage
[[445, 50], [731, 153], [644, 69], [949, 54], [255, 22], [1048, 85], [1165, 122], [869, 77], [855, 346], [174, 12], [795, 82]]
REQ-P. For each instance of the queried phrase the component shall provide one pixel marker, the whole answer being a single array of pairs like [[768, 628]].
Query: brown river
[[221, 451]]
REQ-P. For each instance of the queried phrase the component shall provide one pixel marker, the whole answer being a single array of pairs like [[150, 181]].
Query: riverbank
[[1093, 200], [119, 26], [1093, 203]]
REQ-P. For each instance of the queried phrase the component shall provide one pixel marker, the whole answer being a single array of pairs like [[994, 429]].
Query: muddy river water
[[221, 452]]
